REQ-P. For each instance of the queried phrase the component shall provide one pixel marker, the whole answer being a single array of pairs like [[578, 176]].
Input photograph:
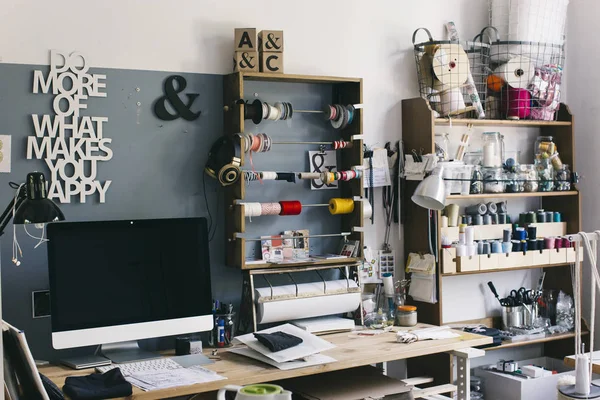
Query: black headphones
[[224, 160]]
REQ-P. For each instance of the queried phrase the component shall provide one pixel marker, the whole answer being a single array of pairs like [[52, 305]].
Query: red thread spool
[[291, 207]]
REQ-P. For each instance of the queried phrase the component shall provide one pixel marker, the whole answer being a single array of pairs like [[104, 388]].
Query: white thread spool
[[309, 175], [444, 221], [472, 250], [252, 210], [461, 250], [388, 285], [268, 175], [469, 235], [582, 375]]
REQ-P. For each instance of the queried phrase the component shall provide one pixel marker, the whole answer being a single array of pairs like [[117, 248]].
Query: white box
[[506, 387]]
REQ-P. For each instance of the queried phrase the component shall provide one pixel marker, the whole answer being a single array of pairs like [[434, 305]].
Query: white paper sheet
[[381, 170], [310, 345], [315, 359], [173, 378]]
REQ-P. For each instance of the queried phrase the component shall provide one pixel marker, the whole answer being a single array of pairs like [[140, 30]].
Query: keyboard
[[155, 365]]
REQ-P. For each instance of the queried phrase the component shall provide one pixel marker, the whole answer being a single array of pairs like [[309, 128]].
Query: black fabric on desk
[[491, 332], [109, 385], [278, 341]]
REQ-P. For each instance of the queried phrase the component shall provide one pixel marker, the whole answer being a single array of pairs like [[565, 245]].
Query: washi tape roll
[[341, 206], [451, 65], [517, 72]]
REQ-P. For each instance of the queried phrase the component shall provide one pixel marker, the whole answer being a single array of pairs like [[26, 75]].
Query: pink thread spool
[[519, 103], [559, 243], [549, 242]]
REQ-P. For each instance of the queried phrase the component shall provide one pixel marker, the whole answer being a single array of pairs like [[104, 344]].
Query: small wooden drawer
[[488, 261], [558, 256], [467, 264], [448, 261], [571, 254], [540, 257], [486, 232], [513, 260], [547, 229]]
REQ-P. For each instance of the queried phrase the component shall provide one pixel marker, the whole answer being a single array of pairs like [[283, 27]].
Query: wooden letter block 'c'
[[245, 61], [271, 62], [245, 39], [270, 41]]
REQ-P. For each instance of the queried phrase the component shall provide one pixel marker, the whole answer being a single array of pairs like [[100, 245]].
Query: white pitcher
[[256, 392]]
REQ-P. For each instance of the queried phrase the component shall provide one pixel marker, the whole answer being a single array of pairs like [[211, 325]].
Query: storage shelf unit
[[345, 91], [418, 131], [548, 338], [505, 269]]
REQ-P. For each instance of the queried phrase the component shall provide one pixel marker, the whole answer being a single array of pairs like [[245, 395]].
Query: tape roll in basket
[[517, 72], [451, 65]]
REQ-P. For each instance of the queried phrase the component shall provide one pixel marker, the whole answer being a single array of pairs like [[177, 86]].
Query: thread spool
[[582, 375], [472, 250], [541, 216], [541, 244], [523, 218], [464, 220], [520, 234], [469, 220], [532, 244], [487, 248], [549, 243], [270, 208], [519, 101], [516, 246], [469, 235], [286, 176], [502, 218], [566, 243], [492, 208], [367, 210], [309, 175], [339, 206], [252, 210], [558, 243], [501, 207], [531, 232], [524, 246], [506, 247], [494, 219], [477, 220], [452, 213], [556, 217], [268, 175], [476, 209], [506, 234], [444, 221], [480, 247], [388, 284], [487, 219], [496, 247], [290, 207], [461, 250]]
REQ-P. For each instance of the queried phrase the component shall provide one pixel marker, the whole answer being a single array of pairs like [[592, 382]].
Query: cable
[[17, 251], [40, 239], [210, 219]]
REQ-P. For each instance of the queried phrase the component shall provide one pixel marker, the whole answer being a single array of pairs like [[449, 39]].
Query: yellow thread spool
[[341, 206]]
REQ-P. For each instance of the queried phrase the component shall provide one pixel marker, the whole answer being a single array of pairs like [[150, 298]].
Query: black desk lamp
[[31, 204]]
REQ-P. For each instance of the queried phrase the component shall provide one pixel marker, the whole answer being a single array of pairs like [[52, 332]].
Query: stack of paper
[[303, 355], [172, 378]]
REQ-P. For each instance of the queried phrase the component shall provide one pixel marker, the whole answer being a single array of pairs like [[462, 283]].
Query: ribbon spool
[[450, 65], [309, 175], [518, 103], [517, 72], [254, 111], [259, 209], [268, 175], [341, 206], [286, 176], [290, 207]]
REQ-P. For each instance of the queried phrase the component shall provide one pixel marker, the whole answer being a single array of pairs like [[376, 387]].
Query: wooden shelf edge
[[505, 195], [489, 271], [505, 122], [294, 78], [333, 261], [551, 338]]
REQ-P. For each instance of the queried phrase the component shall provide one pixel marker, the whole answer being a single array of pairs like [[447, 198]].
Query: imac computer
[[115, 282]]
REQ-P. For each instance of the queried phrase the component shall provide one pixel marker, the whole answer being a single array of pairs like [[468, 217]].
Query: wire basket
[[452, 74], [524, 80]]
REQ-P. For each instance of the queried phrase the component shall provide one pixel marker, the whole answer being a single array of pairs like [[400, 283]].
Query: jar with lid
[[544, 147], [381, 320], [545, 173], [406, 316], [563, 179], [493, 180], [493, 149], [477, 181], [528, 177]]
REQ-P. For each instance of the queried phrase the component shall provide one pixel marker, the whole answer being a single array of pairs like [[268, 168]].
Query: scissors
[[513, 299], [526, 296]]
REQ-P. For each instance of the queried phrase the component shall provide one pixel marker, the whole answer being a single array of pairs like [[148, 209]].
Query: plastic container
[[493, 149], [493, 180], [563, 179], [528, 177], [406, 316]]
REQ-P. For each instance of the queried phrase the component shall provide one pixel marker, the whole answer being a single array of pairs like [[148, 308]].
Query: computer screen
[[117, 273]]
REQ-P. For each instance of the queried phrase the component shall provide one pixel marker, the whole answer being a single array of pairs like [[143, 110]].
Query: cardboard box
[[270, 41], [506, 387], [245, 39], [271, 62]]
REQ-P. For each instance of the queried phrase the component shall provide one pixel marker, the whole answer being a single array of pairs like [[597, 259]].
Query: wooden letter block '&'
[[270, 41], [245, 61]]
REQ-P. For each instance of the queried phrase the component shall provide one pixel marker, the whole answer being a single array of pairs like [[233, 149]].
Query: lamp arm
[[7, 214]]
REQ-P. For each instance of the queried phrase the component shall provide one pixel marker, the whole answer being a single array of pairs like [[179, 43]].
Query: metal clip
[[324, 282], [322, 148], [295, 284]]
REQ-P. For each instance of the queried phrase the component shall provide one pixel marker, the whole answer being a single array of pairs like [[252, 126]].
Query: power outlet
[[40, 303], [5, 141]]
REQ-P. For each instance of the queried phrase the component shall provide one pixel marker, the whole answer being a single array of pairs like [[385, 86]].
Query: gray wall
[[157, 173]]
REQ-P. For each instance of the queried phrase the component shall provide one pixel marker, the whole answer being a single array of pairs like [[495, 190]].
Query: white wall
[[582, 61]]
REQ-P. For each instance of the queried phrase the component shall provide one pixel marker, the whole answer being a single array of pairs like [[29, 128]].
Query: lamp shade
[[37, 207], [431, 192]]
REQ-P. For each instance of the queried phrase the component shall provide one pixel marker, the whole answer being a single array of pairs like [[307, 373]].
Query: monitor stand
[[125, 352]]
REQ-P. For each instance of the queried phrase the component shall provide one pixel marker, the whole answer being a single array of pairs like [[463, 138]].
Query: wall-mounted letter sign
[[70, 144], [183, 110]]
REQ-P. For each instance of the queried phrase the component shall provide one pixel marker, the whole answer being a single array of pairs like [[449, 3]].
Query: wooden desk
[[570, 361], [349, 353]]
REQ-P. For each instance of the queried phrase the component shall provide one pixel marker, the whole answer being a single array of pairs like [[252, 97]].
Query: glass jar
[[441, 146], [545, 173], [381, 320], [528, 177], [477, 181], [563, 179], [544, 147], [514, 184], [406, 316], [493, 149], [368, 302], [493, 180]]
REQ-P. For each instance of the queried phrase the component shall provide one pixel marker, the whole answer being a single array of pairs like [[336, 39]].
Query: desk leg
[[463, 371]]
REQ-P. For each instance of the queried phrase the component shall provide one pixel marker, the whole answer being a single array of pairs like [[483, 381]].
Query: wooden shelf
[[509, 195], [489, 271], [548, 338], [333, 261], [504, 122], [267, 77]]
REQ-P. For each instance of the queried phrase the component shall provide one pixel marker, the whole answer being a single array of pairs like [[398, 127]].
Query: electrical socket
[[40, 303], [5, 142]]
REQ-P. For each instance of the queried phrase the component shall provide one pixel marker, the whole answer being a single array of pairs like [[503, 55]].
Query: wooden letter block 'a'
[[245, 61], [245, 39], [270, 41], [271, 62]]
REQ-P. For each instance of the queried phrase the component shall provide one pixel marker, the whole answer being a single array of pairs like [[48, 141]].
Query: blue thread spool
[[516, 246], [506, 247], [520, 234], [496, 247], [506, 234], [486, 248], [532, 244], [557, 216], [487, 219], [477, 219], [523, 246]]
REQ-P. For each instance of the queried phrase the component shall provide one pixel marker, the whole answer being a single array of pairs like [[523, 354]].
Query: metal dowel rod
[[309, 111], [293, 237], [315, 205], [302, 143]]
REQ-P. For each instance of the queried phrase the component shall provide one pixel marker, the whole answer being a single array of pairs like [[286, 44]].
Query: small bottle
[[221, 333]]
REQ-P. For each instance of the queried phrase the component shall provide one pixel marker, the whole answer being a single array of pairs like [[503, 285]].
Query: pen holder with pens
[[223, 331]]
